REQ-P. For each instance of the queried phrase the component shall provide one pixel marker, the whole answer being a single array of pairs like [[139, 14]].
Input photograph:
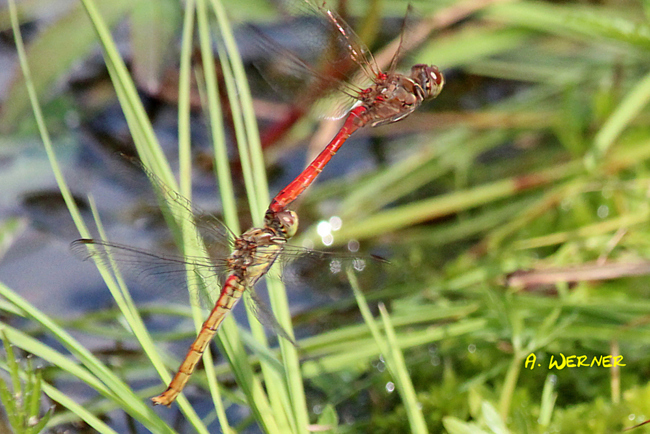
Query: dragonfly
[[390, 98], [253, 254]]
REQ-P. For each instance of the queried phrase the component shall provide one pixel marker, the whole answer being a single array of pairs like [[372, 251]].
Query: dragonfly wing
[[265, 316], [165, 273], [213, 232], [319, 269], [349, 44], [346, 65], [407, 37], [288, 63], [323, 88], [357, 66]]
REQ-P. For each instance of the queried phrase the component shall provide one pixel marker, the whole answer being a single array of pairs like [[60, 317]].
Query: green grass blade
[[35, 400], [548, 399], [222, 172], [38, 114], [292, 383], [68, 45], [190, 245], [251, 155], [13, 364], [79, 410], [399, 217], [143, 135], [636, 99], [257, 192], [389, 348], [398, 368], [250, 147], [9, 404], [222, 166], [184, 82], [238, 122], [95, 375], [150, 419]]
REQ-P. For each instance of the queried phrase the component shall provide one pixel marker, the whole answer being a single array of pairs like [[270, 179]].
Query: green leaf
[[456, 426], [328, 418], [492, 419]]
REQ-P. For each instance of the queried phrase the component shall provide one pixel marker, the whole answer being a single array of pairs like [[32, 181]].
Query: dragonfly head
[[283, 222], [430, 78]]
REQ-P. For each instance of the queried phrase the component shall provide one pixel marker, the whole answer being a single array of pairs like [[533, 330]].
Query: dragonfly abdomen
[[230, 295]]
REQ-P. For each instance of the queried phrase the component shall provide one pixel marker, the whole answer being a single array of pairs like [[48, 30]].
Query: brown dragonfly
[[252, 255]]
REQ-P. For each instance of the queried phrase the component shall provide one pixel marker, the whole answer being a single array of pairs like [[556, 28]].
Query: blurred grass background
[[514, 209]]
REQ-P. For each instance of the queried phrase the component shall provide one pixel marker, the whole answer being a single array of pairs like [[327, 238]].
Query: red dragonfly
[[253, 254], [390, 98]]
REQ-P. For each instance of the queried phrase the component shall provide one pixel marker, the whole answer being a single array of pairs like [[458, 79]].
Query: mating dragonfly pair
[[390, 98]]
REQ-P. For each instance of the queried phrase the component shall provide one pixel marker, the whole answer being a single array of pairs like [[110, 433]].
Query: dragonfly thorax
[[255, 237], [255, 251], [397, 96], [391, 100]]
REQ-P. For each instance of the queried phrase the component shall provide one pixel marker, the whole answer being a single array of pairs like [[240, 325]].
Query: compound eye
[[435, 82], [289, 222], [436, 77]]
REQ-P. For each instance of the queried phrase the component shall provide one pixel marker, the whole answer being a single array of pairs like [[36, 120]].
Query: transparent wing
[[265, 316], [163, 201], [406, 34], [309, 85], [347, 42], [291, 253], [217, 237], [166, 274], [352, 60], [346, 64], [325, 270]]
